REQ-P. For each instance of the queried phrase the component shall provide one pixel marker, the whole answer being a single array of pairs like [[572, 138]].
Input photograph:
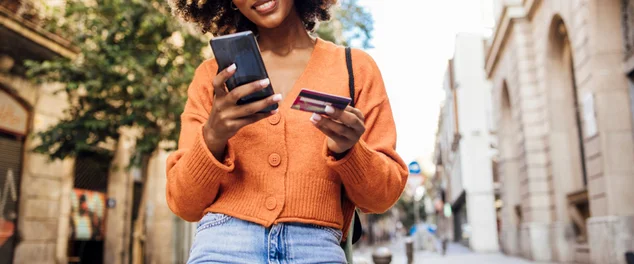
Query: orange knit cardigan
[[278, 170]]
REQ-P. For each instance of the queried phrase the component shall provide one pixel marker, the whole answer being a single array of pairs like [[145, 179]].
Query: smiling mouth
[[265, 6]]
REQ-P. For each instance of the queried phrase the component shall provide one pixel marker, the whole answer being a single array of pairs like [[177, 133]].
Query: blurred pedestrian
[[272, 190], [444, 227]]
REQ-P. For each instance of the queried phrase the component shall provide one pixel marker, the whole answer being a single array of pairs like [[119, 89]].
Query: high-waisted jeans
[[225, 239]]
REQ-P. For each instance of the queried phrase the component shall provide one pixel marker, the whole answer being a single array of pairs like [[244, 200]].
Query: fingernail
[[329, 110], [265, 82], [315, 118], [274, 111], [277, 98], [231, 68]]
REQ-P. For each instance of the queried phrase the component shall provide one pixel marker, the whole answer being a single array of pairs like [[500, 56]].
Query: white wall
[[451, 159], [457, 185], [498, 6], [474, 100]]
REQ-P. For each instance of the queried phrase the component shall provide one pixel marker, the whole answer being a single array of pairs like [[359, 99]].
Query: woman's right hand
[[227, 117]]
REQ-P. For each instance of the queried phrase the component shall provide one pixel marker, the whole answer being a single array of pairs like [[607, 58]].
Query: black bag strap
[[357, 229], [350, 74]]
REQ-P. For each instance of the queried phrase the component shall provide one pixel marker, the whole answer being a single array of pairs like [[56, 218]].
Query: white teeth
[[265, 6]]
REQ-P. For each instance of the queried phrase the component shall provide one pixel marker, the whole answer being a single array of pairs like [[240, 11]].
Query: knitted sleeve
[[193, 173], [373, 174]]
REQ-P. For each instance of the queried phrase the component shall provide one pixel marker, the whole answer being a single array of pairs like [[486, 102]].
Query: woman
[[270, 191]]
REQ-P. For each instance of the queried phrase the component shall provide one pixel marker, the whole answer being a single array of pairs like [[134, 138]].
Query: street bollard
[[629, 257], [382, 255], [409, 250]]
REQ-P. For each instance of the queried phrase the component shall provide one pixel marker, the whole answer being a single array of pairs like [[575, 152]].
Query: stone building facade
[[32, 211], [564, 116], [39, 199]]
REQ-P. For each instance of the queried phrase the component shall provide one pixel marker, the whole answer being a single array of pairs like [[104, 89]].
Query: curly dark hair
[[218, 18]]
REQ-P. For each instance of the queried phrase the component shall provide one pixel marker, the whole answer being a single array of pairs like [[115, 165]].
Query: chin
[[270, 22]]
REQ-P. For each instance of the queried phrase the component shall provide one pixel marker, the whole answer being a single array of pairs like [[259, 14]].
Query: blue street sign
[[414, 168]]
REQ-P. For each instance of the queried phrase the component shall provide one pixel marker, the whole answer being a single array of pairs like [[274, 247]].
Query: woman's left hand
[[342, 127]]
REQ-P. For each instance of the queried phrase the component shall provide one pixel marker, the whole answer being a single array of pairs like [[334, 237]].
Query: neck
[[289, 35]]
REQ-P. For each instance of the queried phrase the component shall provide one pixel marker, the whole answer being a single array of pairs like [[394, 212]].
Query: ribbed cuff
[[203, 167], [352, 167]]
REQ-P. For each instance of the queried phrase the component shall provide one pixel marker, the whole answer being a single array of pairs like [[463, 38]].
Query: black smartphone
[[242, 49]]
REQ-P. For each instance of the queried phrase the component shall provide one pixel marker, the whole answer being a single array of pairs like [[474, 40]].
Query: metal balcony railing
[[25, 9]]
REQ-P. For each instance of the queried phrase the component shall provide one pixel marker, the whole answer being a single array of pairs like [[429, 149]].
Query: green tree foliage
[[135, 64], [351, 23]]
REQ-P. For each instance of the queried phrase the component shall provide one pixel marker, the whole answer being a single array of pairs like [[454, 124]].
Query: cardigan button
[[270, 203], [275, 159], [275, 119]]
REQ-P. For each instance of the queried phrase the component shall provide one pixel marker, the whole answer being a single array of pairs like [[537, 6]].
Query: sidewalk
[[456, 253]]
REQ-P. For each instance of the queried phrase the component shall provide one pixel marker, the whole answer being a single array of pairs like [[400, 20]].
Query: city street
[[456, 253], [128, 134]]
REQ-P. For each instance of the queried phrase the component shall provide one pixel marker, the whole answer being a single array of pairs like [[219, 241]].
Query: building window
[[628, 26], [518, 215], [91, 172], [579, 211], [631, 81]]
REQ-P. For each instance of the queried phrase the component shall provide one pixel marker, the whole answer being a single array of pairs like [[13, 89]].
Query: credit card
[[316, 102]]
